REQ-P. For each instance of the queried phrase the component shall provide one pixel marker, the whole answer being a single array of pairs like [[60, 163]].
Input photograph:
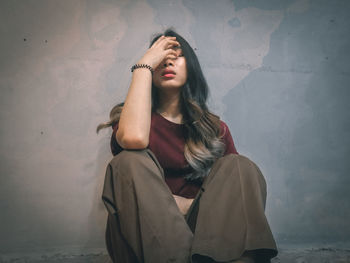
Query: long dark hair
[[203, 144]]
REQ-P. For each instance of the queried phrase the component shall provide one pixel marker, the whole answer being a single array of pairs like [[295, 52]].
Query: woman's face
[[171, 72]]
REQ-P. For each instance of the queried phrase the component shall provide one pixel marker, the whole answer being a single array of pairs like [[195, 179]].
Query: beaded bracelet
[[142, 66]]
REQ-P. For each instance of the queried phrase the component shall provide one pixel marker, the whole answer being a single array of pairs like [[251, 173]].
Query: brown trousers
[[145, 225]]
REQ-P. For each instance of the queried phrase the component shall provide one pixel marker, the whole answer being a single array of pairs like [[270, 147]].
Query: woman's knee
[[244, 165], [129, 162], [231, 161], [128, 158]]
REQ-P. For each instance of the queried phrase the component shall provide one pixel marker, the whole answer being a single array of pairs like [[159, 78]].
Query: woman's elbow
[[132, 142]]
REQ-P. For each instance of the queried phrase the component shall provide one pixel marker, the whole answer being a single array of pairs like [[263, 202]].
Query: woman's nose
[[168, 62]]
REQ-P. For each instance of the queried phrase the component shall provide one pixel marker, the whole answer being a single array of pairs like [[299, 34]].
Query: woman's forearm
[[135, 119]]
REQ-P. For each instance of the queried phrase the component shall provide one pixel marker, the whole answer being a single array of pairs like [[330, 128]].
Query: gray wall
[[279, 76]]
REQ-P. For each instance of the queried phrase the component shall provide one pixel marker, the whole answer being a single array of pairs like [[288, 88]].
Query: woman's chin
[[169, 86]]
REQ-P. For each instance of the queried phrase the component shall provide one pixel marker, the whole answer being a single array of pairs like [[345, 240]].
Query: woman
[[177, 190]]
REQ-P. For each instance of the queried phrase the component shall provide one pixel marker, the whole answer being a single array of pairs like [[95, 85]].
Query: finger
[[171, 41], [165, 41], [170, 53], [164, 38], [171, 44], [171, 57], [158, 40]]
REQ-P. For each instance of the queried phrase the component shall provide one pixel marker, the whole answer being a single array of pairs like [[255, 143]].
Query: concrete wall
[[279, 75]]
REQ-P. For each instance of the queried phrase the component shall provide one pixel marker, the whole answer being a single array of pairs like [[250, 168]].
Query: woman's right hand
[[161, 49]]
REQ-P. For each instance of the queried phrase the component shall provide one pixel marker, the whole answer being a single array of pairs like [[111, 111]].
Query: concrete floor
[[322, 255]]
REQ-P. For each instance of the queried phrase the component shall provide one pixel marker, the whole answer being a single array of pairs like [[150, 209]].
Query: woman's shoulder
[[224, 128], [227, 138]]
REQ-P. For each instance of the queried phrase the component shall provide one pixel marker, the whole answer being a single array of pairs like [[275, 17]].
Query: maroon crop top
[[167, 142]]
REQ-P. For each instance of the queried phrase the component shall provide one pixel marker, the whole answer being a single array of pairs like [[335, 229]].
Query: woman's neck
[[169, 107]]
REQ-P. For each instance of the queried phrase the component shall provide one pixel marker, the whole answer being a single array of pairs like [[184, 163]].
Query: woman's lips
[[169, 75]]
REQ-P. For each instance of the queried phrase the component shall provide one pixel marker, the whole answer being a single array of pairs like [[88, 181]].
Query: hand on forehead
[[176, 48]]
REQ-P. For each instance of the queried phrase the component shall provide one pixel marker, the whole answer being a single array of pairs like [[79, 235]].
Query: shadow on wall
[[292, 115]]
